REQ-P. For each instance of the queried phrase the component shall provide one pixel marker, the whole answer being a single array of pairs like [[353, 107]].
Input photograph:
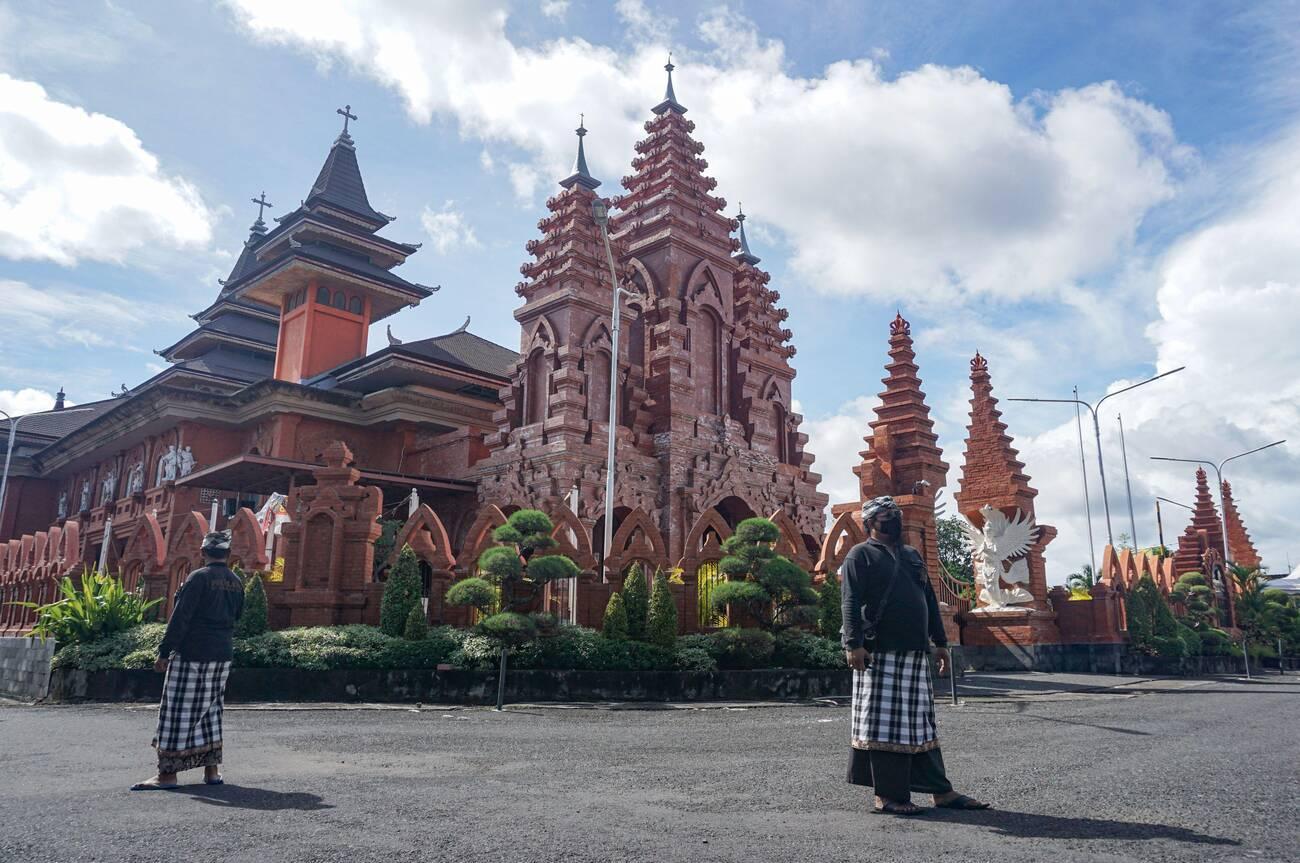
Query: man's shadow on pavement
[[1029, 825], [241, 797]]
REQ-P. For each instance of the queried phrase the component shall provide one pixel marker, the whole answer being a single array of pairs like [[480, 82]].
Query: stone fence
[[25, 667]]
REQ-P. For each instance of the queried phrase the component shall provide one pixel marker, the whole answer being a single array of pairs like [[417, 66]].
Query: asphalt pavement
[[1081, 768]]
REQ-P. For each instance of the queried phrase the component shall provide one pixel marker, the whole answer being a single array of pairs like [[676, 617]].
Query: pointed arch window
[[536, 387], [707, 357], [598, 386], [781, 421]]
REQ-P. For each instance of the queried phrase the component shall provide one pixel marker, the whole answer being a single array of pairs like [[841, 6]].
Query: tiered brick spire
[[903, 458], [992, 473], [1204, 534], [1239, 543]]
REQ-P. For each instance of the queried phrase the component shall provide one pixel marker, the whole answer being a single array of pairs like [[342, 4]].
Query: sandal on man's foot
[[215, 780], [155, 786], [961, 801], [893, 807]]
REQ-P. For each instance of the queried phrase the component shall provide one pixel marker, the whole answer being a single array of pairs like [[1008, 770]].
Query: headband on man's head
[[876, 506], [218, 541]]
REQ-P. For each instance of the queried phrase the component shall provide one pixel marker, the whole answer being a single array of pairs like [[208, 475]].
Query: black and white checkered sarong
[[189, 717], [893, 704]]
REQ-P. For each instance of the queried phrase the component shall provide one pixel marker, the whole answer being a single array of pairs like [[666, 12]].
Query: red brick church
[[273, 392]]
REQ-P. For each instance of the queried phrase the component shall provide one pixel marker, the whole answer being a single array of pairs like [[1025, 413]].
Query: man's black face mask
[[891, 527]]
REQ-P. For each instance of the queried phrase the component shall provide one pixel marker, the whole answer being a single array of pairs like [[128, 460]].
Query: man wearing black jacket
[[890, 617], [195, 654]]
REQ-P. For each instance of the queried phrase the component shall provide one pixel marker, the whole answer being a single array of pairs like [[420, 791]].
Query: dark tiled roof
[[334, 255], [57, 424], [463, 348], [247, 259], [245, 327], [232, 365], [339, 184]]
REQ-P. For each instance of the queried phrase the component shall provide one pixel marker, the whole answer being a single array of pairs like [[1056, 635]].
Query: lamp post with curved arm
[[1096, 430], [1218, 475]]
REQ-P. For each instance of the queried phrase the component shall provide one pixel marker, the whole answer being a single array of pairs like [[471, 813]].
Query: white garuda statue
[[992, 551]]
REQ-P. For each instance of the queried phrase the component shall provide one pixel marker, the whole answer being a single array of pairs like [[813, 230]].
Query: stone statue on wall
[[168, 464], [108, 489], [185, 462], [135, 478], [993, 548], [63, 504], [85, 495]]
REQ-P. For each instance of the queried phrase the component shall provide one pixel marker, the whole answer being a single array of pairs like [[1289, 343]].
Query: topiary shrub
[[253, 620], [695, 659], [1215, 642], [1152, 628], [771, 589], [401, 593], [614, 626], [1191, 641], [636, 602], [795, 649], [661, 620], [829, 615], [1196, 596], [737, 648], [417, 625]]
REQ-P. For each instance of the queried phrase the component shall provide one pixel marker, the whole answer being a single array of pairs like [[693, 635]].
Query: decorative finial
[[900, 326], [580, 175], [58, 400], [745, 256], [463, 327], [393, 341], [259, 227], [978, 363], [670, 102]]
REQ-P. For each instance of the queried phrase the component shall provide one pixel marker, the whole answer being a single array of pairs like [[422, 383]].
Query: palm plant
[[97, 607], [1082, 582]]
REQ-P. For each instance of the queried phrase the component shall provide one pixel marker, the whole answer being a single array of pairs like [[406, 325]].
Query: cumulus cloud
[[76, 184], [70, 315], [947, 185], [555, 8], [448, 229], [26, 401]]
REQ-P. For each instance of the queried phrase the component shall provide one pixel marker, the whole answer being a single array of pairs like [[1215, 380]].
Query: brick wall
[[25, 667]]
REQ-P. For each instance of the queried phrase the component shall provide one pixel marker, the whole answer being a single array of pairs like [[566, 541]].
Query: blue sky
[[1086, 192]]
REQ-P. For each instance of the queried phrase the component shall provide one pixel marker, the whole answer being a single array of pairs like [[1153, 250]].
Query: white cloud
[[76, 184], [58, 317], [447, 228], [947, 184], [555, 8], [486, 161], [26, 401]]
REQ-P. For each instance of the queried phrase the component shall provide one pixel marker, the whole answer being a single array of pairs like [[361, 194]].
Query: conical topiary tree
[[775, 592], [661, 619], [417, 625], [614, 626], [253, 620], [401, 593], [636, 602], [1194, 592]]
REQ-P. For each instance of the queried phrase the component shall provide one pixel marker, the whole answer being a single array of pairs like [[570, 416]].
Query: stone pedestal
[[1012, 628]]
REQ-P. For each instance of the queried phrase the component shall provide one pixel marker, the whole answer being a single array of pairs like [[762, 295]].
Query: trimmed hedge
[[567, 647]]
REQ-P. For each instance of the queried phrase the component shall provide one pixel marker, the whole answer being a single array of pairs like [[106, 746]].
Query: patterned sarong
[[189, 717], [893, 704]]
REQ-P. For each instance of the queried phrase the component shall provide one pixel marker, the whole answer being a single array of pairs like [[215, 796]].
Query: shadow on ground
[[1028, 825], [241, 797]]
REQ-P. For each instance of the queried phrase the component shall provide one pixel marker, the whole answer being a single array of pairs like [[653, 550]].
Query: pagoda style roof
[[992, 472], [339, 185], [459, 361], [54, 424], [238, 329]]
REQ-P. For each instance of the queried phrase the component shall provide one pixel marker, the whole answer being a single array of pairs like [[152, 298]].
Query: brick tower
[[993, 475], [1239, 543], [1204, 536], [902, 458], [705, 428]]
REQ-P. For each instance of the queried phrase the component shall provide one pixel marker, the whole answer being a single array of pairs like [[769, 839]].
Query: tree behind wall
[[771, 589], [954, 548], [253, 620], [829, 616], [636, 602], [401, 593], [661, 620], [1152, 628]]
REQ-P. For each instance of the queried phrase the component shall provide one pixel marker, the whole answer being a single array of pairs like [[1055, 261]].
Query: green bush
[[96, 607], [636, 602], [771, 589], [614, 625], [475, 593], [401, 593], [509, 628], [1215, 642], [661, 620], [796, 649], [253, 619], [829, 615], [1194, 592], [1152, 628], [1191, 641], [734, 648], [581, 649], [133, 648], [695, 659], [417, 625]]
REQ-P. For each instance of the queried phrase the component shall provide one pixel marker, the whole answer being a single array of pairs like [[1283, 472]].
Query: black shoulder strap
[[884, 597]]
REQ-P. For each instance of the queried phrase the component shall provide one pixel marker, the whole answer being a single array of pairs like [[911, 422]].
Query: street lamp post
[[9, 451], [1160, 526], [1096, 430], [1083, 471], [1218, 476], [600, 212], [1128, 486]]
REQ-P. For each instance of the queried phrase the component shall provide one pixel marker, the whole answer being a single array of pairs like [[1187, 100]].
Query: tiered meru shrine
[[273, 397]]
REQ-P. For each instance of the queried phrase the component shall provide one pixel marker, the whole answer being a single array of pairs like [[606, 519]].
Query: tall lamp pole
[[600, 212], [1087, 502], [1096, 430], [1218, 475], [1160, 525], [1128, 486]]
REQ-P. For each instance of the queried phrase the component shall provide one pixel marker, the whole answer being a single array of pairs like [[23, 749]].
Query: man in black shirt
[[890, 617], [195, 654]]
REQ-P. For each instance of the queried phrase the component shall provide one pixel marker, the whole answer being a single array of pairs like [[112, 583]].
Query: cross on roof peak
[[346, 112], [262, 204]]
